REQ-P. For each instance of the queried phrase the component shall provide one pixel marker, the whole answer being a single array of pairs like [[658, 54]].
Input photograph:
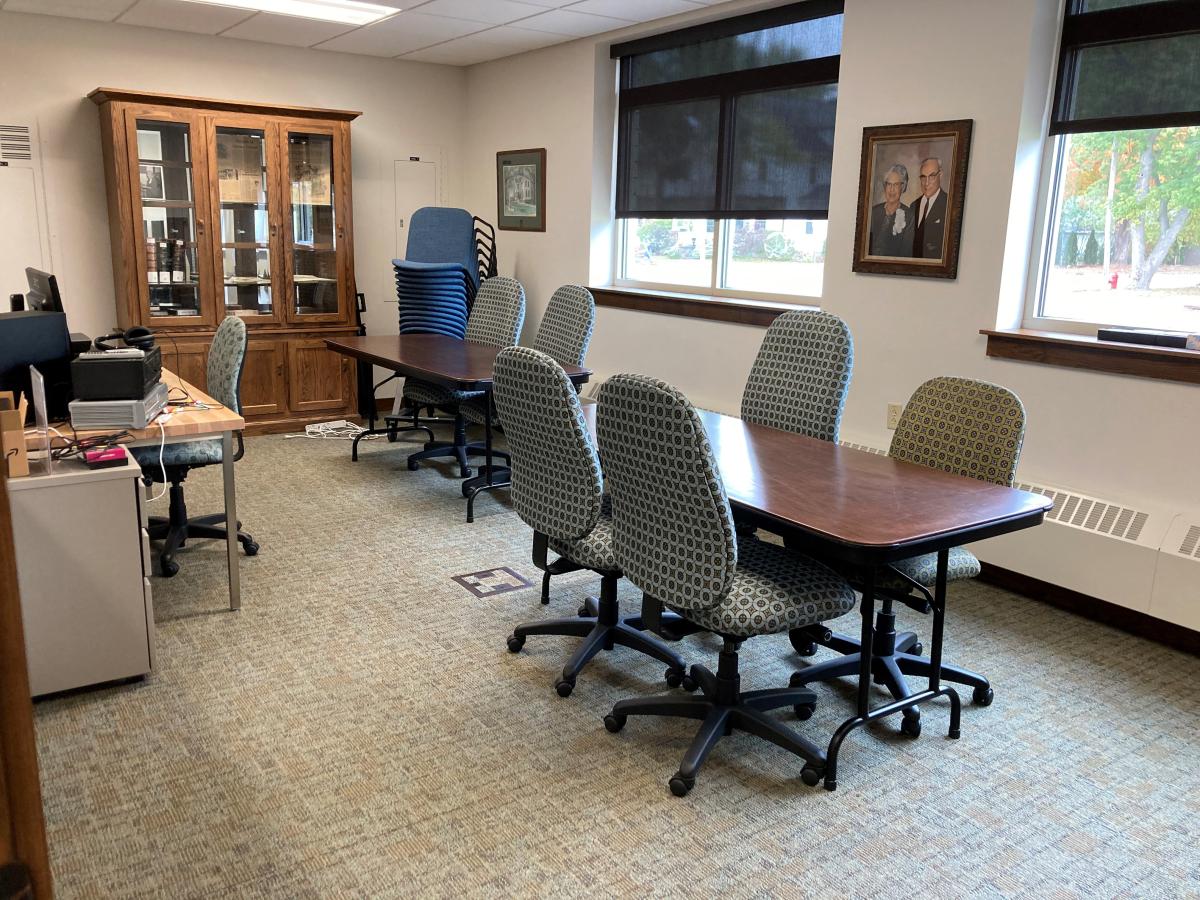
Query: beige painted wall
[[1128, 439], [51, 63]]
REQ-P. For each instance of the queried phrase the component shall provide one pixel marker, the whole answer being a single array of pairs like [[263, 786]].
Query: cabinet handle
[[200, 227], [274, 229]]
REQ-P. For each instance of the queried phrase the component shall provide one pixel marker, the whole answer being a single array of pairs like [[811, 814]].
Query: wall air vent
[[853, 446], [16, 142], [1091, 514], [1190, 546]]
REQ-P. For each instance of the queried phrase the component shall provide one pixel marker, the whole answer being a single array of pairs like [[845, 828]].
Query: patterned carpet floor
[[358, 729]]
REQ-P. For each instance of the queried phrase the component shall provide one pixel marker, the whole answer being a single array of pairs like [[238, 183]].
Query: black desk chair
[[557, 491], [674, 538], [226, 359]]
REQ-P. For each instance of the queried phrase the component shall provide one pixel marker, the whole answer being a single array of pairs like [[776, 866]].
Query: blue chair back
[[438, 234]]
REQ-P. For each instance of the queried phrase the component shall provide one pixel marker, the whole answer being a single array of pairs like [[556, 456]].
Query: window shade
[[1125, 64], [731, 118]]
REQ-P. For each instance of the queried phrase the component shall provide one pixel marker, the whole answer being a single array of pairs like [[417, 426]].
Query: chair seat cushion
[[188, 453], [426, 393], [473, 411], [595, 549], [775, 589], [923, 569]]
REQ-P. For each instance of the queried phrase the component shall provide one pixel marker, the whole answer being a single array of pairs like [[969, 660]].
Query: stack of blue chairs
[[437, 279]]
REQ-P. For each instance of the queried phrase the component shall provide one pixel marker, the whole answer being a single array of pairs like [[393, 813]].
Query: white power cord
[[162, 445], [341, 429]]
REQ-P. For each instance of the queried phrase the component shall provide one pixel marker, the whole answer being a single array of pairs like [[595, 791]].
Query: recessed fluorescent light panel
[[348, 12]]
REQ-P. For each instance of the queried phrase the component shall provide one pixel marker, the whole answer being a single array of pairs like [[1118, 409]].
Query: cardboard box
[[12, 434]]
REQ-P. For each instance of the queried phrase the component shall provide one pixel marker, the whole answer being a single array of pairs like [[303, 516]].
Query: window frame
[[717, 270]]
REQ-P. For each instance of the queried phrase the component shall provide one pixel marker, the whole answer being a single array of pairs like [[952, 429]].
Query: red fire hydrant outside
[[1112, 282]]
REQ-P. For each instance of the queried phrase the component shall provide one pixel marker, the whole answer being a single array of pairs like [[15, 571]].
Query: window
[[724, 151], [1122, 227]]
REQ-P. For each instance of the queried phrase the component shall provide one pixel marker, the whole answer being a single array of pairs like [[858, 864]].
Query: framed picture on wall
[[521, 190], [911, 188]]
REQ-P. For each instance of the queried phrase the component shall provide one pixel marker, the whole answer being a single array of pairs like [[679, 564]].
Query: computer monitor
[[31, 338], [43, 295]]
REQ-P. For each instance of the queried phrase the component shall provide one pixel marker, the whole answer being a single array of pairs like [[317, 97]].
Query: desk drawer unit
[[85, 601]]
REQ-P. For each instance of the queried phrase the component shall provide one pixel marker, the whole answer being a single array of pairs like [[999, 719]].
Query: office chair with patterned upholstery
[[496, 318], [557, 491], [674, 538], [959, 425], [801, 375], [564, 335], [226, 359]]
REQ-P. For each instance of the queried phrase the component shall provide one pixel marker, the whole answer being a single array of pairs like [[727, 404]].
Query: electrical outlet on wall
[[894, 411]]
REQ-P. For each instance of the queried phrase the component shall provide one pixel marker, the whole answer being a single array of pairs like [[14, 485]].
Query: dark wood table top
[[872, 506], [446, 360]]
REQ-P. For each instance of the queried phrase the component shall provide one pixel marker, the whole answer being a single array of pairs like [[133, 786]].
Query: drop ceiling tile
[[291, 30], [101, 10], [483, 46], [638, 10], [401, 34], [493, 12], [565, 21], [199, 18]]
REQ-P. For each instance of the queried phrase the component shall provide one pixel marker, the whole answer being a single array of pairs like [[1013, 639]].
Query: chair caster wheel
[[413, 465], [583, 610], [910, 726], [794, 680], [803, 711], [674, 678], [802, 644], [564, 687], [917, 649], [169, 569], [251, 548], [680, 786], [810, 776], [465, 473], [983, 696], [614, 723], [689, 683], [515, 643]]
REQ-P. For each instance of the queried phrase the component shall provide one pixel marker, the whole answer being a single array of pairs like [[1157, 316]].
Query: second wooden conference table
[[866, 510]]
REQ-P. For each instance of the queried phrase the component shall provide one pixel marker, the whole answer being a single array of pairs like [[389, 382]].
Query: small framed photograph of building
[[521, 190]]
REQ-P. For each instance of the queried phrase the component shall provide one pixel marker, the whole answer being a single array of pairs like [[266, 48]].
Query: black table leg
[[491, 476], [865, 713]]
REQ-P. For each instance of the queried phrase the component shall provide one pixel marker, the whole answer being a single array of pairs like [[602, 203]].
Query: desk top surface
[[187, 422], [852, 497], [434, 356]]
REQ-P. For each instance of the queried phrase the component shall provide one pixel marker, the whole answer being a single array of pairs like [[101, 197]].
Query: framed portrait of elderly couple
[[910, 198]]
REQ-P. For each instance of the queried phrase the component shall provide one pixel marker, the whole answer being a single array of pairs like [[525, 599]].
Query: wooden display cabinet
[[221, 208]]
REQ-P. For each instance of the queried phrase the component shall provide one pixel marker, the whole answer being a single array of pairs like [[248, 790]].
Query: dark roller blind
[[1125, 64], [732, 118]]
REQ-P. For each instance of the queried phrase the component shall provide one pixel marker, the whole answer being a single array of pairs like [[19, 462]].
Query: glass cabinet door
[[245, 246], [165, 153], [315, 230]]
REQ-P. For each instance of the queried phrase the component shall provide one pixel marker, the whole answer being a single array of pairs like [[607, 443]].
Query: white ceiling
[[455, 32]]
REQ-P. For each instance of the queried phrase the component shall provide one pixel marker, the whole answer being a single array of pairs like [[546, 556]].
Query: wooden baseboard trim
[[1130, 620]]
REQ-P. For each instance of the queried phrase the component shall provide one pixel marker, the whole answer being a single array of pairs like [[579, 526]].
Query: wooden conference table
[[866, 510], [457, 364], [190, 424]]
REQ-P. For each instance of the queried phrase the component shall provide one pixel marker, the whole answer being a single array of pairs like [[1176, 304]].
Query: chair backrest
[[963, 426], [226, 358], [566, 328], [498, 313], [672, 527], [801, 376], [439, 234], [556, 481]]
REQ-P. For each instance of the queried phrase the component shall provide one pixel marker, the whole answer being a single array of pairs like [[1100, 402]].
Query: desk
[[190, 425], [867, 510], [461, 365]]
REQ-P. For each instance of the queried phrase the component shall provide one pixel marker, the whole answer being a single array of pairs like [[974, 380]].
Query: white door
[[416, 186]]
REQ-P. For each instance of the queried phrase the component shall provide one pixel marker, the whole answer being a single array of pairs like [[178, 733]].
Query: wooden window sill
[[1080, 351], [694, 306]]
